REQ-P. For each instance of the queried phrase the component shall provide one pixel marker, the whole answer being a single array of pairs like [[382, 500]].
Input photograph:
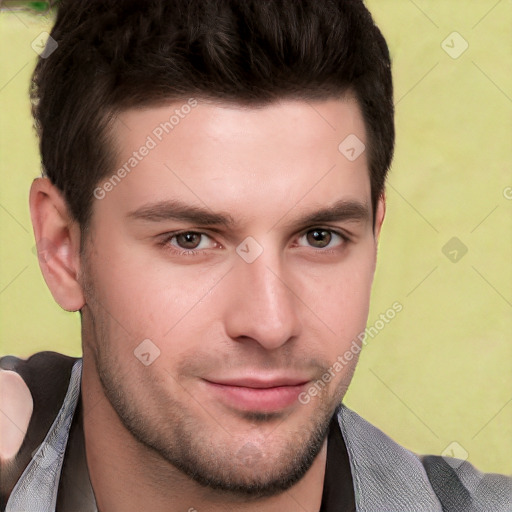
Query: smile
[[257, 396]]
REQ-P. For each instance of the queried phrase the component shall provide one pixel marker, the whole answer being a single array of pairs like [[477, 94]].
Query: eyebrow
[[178, 210], [342, 210]]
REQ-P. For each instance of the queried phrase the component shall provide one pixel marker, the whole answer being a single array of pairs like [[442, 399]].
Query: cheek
[[340, 295], [145, 294]]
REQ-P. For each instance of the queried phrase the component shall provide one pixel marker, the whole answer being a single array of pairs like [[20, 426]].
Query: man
[[212, 201]]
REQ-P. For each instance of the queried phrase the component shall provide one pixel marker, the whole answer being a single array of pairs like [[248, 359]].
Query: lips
[[263, 395], [255, 383]]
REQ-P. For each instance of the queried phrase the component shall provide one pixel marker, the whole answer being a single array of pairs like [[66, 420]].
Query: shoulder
[[460, 486], [31, 393], [389, 476]]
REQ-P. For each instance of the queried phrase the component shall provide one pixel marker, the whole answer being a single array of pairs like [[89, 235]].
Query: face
[[228, 271]]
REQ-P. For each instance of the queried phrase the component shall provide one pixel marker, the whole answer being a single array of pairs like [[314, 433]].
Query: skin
[[16, 406], [211, 314]]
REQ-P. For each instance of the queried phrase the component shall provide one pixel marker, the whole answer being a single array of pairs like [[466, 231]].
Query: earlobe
[[58, 243]]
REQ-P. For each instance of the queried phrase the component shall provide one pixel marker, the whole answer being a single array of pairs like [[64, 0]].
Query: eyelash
[[196, 252]]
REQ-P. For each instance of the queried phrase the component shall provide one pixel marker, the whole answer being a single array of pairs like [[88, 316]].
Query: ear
[[58, 243], [379, 215]]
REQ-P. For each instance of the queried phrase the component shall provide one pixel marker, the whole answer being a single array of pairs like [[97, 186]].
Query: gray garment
[[386, 476], [36, 490]]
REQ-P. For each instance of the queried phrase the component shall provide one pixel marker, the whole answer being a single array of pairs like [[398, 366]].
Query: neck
[[126, 475]]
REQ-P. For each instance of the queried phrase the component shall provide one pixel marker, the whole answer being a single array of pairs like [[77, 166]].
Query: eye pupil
[[319, 237]]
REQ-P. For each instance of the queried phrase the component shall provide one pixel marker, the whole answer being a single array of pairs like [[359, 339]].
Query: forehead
[[229, 157]]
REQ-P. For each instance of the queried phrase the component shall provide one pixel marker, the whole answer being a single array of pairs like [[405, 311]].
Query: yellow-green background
[[441, 371]]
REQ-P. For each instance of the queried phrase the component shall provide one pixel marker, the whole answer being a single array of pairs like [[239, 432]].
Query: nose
[[261, 305]]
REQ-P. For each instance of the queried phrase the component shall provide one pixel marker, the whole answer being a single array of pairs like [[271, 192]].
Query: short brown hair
[[117, 54]]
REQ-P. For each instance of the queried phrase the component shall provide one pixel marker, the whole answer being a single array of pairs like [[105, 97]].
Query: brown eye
[[326, 240], [188, 243], [319, 238], [188, 240]]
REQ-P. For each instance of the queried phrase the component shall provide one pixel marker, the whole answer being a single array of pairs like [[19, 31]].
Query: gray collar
[[37, 488]]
